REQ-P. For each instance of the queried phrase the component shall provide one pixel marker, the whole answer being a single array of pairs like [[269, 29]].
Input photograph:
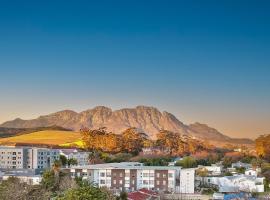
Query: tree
[[123, 196], [227, 162], [48, 180], [72, 161], [56, 169], [263, 146], [187, 162], [14, 189], [101, 140], [168, 140], [94, 157], [202, 172], [133, 141], [86, 192], [63, 160]]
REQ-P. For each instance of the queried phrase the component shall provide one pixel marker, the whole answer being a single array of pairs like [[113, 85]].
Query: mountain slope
[[148, 119]]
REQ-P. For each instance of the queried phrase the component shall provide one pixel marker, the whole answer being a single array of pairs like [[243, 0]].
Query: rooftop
[[126, 165]]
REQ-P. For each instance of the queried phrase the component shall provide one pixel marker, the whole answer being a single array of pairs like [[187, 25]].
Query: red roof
[[142, 194], [149, 192], [137, 196]]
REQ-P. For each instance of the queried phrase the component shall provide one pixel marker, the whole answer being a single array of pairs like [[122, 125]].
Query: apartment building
[[27, 157], [131, 176], [11, 157]]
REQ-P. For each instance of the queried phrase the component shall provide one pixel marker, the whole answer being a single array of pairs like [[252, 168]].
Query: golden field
[[48, 137]]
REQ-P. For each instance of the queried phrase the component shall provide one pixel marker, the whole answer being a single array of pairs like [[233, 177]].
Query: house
[[154, 151], [240, 164], [238, 183], [27, 157], [175, 160], [251, 172], [80, 156], [133, 176], [218, 196], [214, 169], [29, 176], [29, 179]]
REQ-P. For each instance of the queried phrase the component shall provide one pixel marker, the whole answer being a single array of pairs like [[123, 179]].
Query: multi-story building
[[131, 176], [11, 157], [27, 157], [80, 156]]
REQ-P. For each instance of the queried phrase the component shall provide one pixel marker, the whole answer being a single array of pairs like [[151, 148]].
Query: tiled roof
[[143, 194]]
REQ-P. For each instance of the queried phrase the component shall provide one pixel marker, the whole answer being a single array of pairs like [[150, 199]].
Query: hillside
[[49, 137], [147, 119], [9, 132]]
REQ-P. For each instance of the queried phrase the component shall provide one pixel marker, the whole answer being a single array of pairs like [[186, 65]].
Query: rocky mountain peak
[[145, 118]]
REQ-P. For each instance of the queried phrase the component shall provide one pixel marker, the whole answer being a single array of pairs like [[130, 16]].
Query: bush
[[187, 162]]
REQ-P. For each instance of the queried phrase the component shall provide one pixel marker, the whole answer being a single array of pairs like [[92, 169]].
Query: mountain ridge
[[145, 118]]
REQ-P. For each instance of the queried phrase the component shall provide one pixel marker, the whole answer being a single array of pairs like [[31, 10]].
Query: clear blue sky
[[206, 61]]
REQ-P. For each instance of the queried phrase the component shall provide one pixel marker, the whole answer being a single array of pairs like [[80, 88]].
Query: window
[[151, 174], [151, 182], [158, 175], [157, 182], [120, 182], [164, 182], [114, 182], [145, 182], [102, 182], [121, 174], [127, 174], [145, 174], [102, 174], [14, 153], [164, 175]]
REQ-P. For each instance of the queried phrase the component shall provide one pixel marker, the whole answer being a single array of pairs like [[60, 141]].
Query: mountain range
[[147, 119]]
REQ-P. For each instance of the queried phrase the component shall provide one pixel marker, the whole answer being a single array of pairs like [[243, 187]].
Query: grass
[[48, 137]]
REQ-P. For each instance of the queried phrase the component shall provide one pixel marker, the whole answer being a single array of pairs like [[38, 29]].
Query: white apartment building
[[27, 157], [131, 176]]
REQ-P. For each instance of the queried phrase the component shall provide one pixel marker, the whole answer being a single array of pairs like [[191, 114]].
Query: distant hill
[[9, 132], [42, 138], [147, 119]]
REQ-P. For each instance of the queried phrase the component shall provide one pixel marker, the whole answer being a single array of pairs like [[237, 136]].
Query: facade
[[132, 176], [27, 157], [214, 169], [80, 156], [237, 183], [29, 179], [251, 172], [29, 176], [240, 164]]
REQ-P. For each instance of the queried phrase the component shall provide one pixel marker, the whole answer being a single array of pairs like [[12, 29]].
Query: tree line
[[133, 141]]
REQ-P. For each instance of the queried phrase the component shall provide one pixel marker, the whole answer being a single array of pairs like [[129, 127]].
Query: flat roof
[[127, 165]]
